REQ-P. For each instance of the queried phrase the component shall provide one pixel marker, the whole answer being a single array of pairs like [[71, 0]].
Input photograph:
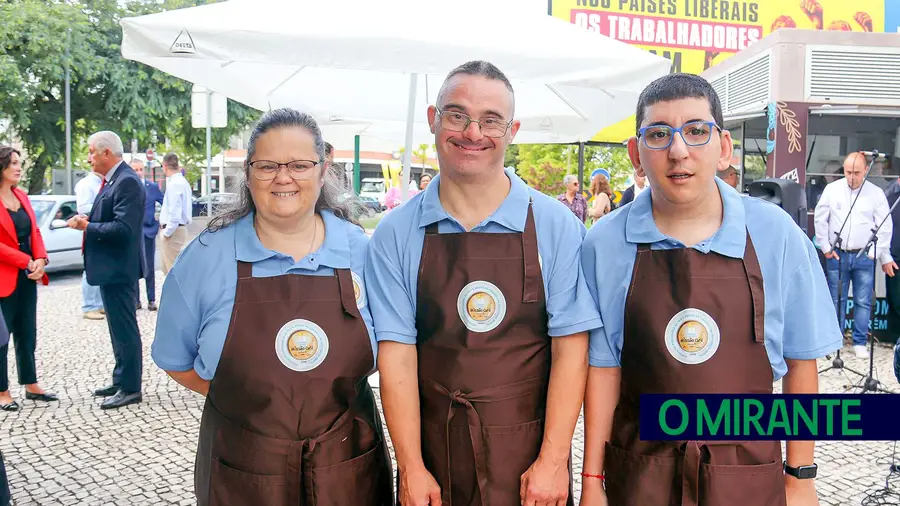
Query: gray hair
[[107, 140], [482, 69], [138, 161], [569, 178], [333, 197]]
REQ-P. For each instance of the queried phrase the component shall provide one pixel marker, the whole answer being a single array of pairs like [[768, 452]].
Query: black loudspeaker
[[785, 194]]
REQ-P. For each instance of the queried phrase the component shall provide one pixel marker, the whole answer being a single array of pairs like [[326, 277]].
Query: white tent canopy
[[354, 63]]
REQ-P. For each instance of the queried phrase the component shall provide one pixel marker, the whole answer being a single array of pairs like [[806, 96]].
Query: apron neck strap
[[643, 247], [530, 255], [757, 293], [432, 229], [348, 296], [245, 270]]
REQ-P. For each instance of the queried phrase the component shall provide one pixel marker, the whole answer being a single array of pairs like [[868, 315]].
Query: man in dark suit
[[629, 194], [151, 228], [113, 241]]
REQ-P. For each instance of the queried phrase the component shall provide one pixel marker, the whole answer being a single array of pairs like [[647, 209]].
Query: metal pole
[[69, 185], [209, 154], [356, 167], [581, 165], [407, 153]]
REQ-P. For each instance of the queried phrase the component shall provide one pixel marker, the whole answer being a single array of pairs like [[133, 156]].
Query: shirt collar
[[109, 175], [334, 252], [511, 214], [730, 240]]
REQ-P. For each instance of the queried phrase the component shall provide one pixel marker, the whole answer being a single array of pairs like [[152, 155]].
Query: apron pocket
[[509, 452], [232, 487], [761, 485], [364, 480], [633, 479]]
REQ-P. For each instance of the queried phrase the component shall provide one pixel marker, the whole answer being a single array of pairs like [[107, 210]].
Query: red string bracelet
[[598, 476]]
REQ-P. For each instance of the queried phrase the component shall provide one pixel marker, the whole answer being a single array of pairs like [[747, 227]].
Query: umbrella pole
[[209, 153], [407, 153], [356, 164], [581, 166]]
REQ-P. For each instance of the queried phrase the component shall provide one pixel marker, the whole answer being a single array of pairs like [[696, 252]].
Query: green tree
[[616, 161], [107, 91], [420, 155], [545, 165]]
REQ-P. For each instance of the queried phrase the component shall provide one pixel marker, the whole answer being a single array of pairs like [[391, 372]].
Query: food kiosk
[[798, 101]]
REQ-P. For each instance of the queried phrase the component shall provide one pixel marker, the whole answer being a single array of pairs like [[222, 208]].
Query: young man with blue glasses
[[700, 290]]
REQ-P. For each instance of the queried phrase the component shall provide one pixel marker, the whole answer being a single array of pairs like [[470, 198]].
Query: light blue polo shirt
[[394, 254], [198, 294], [800, 322]]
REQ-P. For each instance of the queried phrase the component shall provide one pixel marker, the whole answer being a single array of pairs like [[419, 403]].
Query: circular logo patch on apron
[[481, 306], [301, 345], [359, 290], [692, 336]]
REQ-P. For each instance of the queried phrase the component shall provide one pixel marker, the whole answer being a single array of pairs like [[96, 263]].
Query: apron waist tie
[[690, 475], [458, 398], [294, 483], [295, 451]]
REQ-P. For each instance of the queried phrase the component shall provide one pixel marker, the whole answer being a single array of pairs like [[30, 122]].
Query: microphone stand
[[869, 383], [838, 363]]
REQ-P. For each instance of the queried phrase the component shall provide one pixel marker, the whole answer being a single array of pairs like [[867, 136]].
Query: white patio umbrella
[[373, 67]]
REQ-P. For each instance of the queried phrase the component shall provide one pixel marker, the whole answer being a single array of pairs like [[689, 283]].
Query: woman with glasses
[[265, 314], [701, 290]]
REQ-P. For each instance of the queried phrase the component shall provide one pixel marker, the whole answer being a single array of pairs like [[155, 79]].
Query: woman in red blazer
[[22, 261]]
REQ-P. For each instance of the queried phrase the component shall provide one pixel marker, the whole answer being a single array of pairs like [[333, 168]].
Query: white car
[[63, 243], [373, 187]]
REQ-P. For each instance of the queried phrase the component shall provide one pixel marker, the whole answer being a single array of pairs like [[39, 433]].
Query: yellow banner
[[696, 34]]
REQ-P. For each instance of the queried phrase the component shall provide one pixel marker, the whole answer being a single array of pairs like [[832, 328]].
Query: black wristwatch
[[802, 472]]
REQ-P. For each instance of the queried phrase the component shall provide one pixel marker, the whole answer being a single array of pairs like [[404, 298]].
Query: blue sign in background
[[880, 323], [892, 16], [878, 415]]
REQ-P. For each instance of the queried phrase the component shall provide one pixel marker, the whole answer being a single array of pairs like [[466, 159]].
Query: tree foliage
[[39, 38], [545, 165]]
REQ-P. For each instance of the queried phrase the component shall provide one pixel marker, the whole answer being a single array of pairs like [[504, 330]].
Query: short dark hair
[[6, 153], [170, 160], [478, 68], [676, 87]]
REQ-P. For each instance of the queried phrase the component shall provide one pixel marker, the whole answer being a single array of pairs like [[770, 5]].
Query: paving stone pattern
[[72, 453]]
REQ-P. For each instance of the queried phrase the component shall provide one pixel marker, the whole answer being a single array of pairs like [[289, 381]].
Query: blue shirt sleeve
[[600, 351], [811, 328], [196, 305], [391, 304], [570, 309], [175, 346]]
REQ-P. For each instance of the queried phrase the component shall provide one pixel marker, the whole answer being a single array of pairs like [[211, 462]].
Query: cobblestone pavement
[[71, 452]]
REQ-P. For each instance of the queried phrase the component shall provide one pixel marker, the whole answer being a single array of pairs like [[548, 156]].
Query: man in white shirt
[[86, 192], [175, 215], [842, 262]]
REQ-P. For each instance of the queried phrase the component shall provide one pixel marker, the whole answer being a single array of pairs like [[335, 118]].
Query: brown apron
[[662, 320], [483, 392], [279, 430]]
